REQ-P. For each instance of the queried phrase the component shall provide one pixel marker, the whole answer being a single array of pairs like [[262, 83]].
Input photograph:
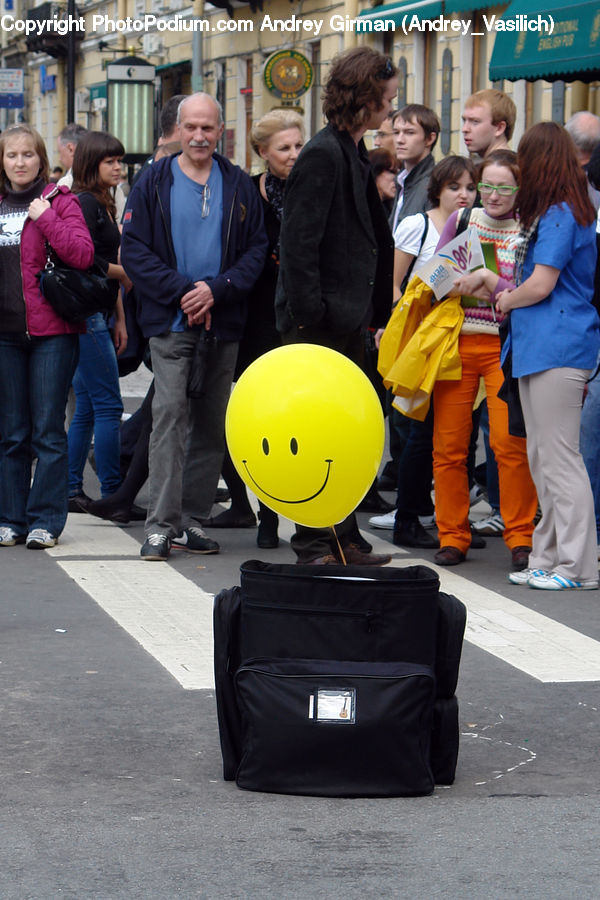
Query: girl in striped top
[[479, 346]]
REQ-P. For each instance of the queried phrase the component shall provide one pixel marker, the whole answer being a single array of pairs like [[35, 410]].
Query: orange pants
[[453, 406]]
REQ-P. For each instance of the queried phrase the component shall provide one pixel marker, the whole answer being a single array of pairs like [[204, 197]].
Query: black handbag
[[75, 294]]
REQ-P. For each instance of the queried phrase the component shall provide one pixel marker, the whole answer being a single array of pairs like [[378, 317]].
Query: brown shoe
[[449, 556], [355, 557], [520, 558], [328, 560]]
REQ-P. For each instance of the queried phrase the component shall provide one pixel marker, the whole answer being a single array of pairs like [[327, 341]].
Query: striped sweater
[[482, 318]]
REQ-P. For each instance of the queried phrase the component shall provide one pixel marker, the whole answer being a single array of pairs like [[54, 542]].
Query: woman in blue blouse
[[555, 337]]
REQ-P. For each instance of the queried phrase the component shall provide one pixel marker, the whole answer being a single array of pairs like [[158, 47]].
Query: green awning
[[458, 6], [173, 65], [395, 12], [570, 52]]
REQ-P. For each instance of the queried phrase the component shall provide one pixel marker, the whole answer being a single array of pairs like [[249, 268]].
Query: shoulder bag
[[75, 294]]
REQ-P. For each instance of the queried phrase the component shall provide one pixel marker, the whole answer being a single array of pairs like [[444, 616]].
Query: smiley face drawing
[[305, 432]]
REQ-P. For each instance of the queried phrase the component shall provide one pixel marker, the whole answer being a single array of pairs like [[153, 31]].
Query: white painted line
[[86, 535], [527, 640], [164, 611], [172, 618]]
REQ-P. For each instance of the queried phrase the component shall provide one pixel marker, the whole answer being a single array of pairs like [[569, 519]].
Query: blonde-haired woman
[[277, 138]]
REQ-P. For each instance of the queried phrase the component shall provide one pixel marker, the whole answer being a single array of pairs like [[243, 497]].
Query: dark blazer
[[337, 252]]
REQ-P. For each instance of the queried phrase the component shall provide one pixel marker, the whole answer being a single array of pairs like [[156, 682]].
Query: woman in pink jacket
[[38, 349]]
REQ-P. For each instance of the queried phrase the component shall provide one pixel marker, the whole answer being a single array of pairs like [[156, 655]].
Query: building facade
[[444, 51]]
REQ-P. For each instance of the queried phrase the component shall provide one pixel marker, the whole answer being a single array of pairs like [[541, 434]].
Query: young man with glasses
[[193, 245], [384, 136]]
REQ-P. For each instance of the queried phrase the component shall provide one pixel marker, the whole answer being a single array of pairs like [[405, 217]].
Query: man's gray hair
[[202, 94], [584, 128], [71, 133]]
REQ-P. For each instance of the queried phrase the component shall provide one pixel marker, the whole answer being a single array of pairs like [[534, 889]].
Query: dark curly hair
[[357, 81]]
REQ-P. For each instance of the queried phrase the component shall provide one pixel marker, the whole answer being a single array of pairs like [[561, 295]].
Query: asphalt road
[[111, 781]]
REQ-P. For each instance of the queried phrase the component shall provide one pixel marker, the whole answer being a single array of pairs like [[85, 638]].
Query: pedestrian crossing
[[170, 615]]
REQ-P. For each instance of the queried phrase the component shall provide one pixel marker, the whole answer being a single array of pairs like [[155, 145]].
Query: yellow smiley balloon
[[305, 431]]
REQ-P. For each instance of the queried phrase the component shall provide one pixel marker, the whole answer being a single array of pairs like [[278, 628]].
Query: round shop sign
[[288, 74]]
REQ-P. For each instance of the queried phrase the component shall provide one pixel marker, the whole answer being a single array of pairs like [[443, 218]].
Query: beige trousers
[[564, 541]]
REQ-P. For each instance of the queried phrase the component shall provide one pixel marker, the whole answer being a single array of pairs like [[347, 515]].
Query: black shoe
[[156, 548], [116, 510], [412, 534], [195, 540], [267, 538], [79, 503], [477, 542], [127, 514], [222, 495], [374, 503], [229, 518]]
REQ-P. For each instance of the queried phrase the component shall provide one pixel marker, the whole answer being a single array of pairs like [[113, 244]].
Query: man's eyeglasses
[[503, 190], [205, 201]]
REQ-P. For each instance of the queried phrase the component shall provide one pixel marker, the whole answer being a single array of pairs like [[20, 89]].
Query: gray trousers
[[564, 540], [188, 435]]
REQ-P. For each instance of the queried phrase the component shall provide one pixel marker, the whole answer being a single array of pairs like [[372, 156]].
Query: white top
[[408, 236]]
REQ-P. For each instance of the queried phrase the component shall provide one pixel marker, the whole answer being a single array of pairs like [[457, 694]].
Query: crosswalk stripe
[[171, 617], [527, 640]]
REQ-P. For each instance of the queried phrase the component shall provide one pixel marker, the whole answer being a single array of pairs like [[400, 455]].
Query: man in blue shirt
[[193, 245]]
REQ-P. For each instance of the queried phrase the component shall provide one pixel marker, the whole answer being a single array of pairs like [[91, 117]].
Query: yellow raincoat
[[419, 347]]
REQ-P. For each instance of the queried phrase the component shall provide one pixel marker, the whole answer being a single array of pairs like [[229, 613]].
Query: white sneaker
[[40, 539], [490, 526], [523, 576], [386, 521], [552, 581], [9, 537]]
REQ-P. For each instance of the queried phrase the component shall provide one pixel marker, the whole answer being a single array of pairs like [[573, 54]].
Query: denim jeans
[[415, 471], [35, 374], [99, 409], [590, 442], [491, 468]]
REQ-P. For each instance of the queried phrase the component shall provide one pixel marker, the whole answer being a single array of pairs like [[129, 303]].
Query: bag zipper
[[368, 615], [345, 675]]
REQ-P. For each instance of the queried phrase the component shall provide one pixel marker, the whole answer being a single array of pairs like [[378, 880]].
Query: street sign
[[12, 94]]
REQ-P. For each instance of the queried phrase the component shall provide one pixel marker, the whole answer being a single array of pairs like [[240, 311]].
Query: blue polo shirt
[[196, 240], [563, 330]]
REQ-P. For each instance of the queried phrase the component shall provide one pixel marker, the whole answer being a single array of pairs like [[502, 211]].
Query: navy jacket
[[148, 255]]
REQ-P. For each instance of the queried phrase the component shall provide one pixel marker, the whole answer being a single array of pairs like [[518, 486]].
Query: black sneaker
[[79, 503], [156, 547], [195, 540]]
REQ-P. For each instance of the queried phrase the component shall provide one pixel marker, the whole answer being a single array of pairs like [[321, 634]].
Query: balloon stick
[[339, 545]]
